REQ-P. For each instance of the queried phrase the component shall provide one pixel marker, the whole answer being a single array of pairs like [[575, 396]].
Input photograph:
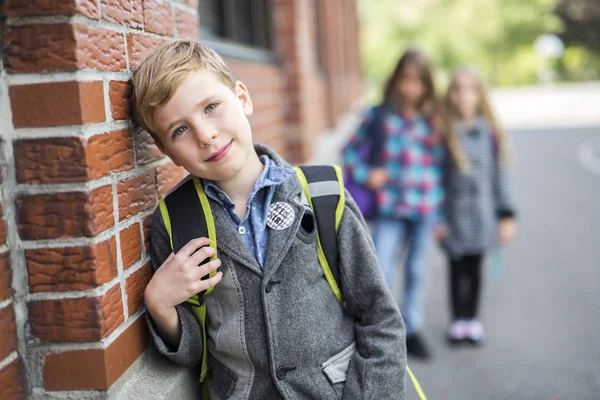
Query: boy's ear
[[243, 95]]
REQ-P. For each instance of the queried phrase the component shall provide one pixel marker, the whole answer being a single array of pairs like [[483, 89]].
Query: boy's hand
[[440, 231], [377, 178], [180, 276], [506, 230]]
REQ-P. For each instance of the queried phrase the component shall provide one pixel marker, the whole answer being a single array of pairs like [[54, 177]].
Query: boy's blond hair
[[157, 77]]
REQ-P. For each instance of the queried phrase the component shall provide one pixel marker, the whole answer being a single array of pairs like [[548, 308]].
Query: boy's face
[[204, 127]]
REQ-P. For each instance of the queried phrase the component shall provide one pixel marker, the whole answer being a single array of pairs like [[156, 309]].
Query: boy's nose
[[205, 135]]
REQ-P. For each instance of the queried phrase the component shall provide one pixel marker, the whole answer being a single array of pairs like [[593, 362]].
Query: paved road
[[543, 314]]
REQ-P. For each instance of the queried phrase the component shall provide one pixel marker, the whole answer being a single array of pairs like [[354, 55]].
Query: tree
[[581, 21], [494, 35]]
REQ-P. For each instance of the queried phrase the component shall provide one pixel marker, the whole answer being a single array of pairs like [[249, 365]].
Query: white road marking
[[588, 155]]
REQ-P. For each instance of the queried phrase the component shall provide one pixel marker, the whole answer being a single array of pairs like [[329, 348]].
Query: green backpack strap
[[187, 206], [323, 188]]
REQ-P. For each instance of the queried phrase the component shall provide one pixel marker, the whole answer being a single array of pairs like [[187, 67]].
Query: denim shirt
[[253, 226]]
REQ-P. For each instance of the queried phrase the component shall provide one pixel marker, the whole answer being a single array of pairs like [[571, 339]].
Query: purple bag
[[364, 197], [370, 150]]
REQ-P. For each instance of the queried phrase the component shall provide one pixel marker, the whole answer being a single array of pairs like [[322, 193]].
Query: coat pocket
[[336, 368], [221, 377]]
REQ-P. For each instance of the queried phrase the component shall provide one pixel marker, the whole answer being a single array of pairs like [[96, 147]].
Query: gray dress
[[475, 200]]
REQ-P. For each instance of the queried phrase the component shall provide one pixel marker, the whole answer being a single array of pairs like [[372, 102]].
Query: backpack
[[323, 188]]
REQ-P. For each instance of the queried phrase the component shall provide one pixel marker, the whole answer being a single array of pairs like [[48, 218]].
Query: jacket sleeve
[[503, 190], [189, 350], [377, 369], [356, 152]]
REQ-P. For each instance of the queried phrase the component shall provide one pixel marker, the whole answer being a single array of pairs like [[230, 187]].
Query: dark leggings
[[465, 284]]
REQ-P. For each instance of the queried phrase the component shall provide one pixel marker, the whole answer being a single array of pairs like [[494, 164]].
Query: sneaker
[[475, 333], [457, 332], [415, 346]]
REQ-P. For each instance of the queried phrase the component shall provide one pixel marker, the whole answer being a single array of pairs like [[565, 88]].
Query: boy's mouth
[[220, 154]]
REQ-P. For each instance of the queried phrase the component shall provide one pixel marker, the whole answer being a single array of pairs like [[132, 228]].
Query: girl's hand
[[506, 230], [440, 231], [180, 277], [377, 178]]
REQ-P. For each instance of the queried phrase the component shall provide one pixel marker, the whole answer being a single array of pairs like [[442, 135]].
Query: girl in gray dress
[[478, 211]]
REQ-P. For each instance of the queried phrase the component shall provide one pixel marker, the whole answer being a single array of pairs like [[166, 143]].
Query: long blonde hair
[[452, 115]]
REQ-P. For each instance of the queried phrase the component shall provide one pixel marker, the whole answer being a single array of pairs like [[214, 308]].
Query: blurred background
[[541, 295], [79, 180]]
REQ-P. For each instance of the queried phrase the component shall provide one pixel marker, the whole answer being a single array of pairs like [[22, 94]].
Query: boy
[[274, 327]]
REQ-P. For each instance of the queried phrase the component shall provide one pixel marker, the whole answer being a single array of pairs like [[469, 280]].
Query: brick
[[136, 194], [120, 100], [64, 47], [86, 319], [99, 48], [146, 150], [38, 48], [158, 17], [167, 176], [50, 160], [66, 160], [57, 103], [95, 369], [64, 215], [140, 46], [147, 225], [2, 225], [12, 381], [136, 284], [31, 8], [131, 245], [71, 268], [8, 332], [5, 276], [188, 24], [112, 152], [123, 11]]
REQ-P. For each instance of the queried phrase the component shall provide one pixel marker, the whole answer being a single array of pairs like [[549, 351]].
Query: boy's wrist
[[156, 310]]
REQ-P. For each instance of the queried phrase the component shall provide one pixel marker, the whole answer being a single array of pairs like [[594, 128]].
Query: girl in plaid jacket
[[478, 209], [405, 175]]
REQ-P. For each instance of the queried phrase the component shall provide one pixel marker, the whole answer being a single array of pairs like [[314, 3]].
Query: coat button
[[283, 371], [270, 285]]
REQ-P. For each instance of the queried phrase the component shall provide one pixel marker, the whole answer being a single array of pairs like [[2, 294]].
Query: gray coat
[[477, 199], [279, 332]]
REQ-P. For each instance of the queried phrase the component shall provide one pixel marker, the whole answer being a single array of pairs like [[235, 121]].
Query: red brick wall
[[79, 182]]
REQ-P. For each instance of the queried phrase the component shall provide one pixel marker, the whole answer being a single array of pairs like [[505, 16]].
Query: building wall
[[79, 182]]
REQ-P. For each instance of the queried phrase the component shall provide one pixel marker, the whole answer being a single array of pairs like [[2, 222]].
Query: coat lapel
[[280, 241]]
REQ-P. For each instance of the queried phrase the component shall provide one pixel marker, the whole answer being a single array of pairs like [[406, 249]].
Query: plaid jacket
[[412, 157]]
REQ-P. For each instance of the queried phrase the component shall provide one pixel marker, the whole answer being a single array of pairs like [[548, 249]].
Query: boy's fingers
[[191, 246], [201, 255], [169, 258], [204, 284], [207, 268]]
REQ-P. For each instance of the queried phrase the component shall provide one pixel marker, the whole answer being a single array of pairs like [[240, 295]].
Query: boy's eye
[[210, 107], [179, 131]]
